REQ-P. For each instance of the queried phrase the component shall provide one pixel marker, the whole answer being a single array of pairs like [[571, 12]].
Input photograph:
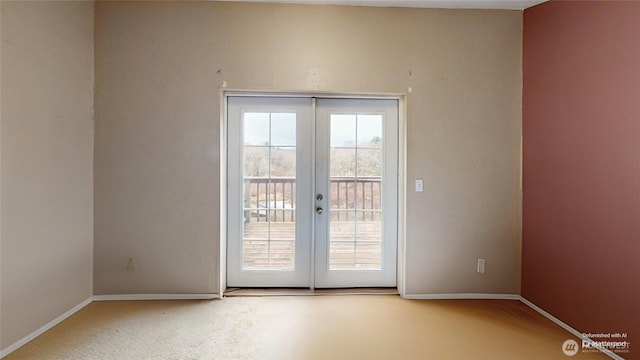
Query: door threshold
[[230, 292]]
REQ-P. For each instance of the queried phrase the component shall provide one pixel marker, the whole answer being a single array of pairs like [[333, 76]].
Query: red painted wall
[[581, 177]]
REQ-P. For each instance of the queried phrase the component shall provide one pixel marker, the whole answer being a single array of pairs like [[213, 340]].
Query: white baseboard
[[462, 296], [13, 347], [155, 297], [563, 325]]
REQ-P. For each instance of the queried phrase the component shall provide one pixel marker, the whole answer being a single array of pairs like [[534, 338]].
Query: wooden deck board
[[279, 253]]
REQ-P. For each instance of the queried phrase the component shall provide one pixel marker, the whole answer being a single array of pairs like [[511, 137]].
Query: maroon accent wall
[[581, 176]]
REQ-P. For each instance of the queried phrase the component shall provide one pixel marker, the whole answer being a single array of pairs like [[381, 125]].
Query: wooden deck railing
[[275, 198]]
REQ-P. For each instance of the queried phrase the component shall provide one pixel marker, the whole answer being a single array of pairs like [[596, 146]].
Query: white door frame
[[402, 121]]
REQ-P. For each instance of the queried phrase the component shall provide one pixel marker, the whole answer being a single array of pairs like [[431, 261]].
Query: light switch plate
[[419, 185]]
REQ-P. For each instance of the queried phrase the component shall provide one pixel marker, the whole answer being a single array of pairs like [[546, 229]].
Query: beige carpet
[[303, 327]]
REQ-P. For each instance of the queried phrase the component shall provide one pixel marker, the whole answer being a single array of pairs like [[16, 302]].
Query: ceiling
[[446, 4]]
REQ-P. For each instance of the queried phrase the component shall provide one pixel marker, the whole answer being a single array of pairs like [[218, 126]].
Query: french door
[[312, 192]]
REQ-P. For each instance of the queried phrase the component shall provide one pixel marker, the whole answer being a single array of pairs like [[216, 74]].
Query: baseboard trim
[[568, 328], [462, 296], [18, 344], [130, 297]]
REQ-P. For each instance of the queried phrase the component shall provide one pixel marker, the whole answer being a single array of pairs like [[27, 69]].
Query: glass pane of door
[[355, 191], [269, 169]]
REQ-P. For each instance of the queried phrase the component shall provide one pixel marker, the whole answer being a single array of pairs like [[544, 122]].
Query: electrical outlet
[[481, 266], [131, 265]]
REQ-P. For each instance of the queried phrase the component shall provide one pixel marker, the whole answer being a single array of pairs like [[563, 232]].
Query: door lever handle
[[319, 211]]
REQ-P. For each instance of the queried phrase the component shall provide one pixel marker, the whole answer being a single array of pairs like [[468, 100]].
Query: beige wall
[[160, 66], [47, 163]]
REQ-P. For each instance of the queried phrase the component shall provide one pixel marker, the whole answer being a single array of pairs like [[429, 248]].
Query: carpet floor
[[303, 327]]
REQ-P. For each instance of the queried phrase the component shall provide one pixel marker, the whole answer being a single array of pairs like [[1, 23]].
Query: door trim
[[402, 99]]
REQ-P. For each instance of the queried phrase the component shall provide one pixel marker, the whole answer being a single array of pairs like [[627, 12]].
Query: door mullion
[[312, 259]]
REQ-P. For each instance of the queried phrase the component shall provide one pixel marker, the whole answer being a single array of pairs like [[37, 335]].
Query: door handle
[[319, 211]]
